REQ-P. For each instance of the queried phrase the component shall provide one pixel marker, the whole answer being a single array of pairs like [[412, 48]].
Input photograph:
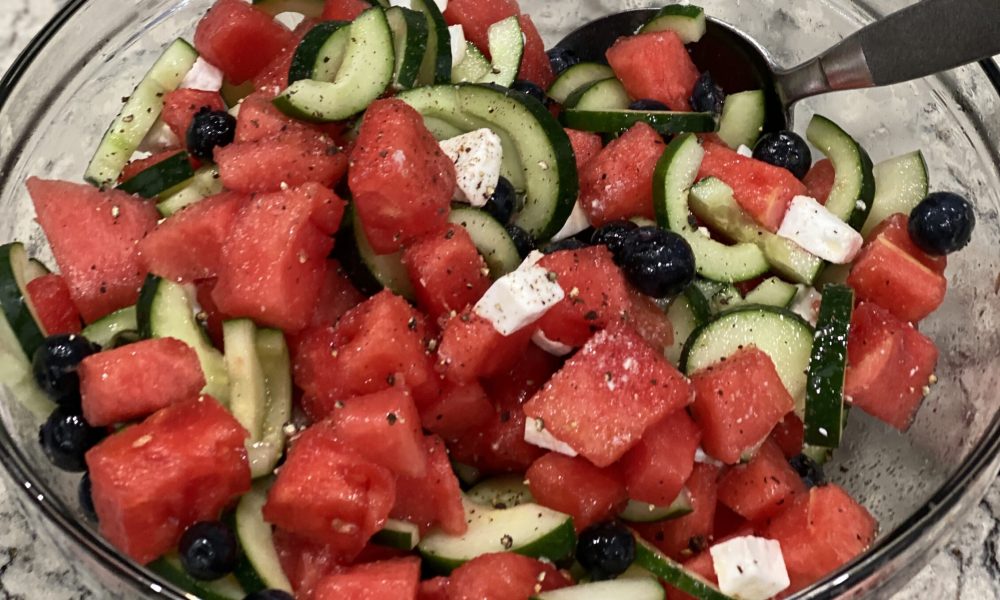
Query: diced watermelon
[[650, 321], [93, 235], [535, 65], [889, 365], [608, 394], [287, 160], [657, 467], [886, 275], [273, 78], [134, 381], [337, 296], [763, 487], [144, 502], [446, 270], [586, 146], [53, 304], [260, 119], [434, 498], [895, 229], [471, 347], [819, 532], [761, 189], [738, 402], [789, 435], [458, 409], [655, 66], [326, 493], [401, 181], [181, 105], [577, 488], [433, 589], [343, 10], [820, 179], [476, 16], [618, 182], [503, 576], [596, 294], [686, 536], [239, 40], [304, 562], [134, 167], [187, 246], [383, 580], [703, 565], [274, 258]]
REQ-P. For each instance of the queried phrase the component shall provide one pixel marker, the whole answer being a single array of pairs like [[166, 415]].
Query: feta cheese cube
[[744, 150], [810, 225], [750, 568], [700, 456], [552, 347], [203, 76], [806, 304], [457, 44], [536, 435], [401, 3], [518, 299], [442, 5], [531, 259], [577, 222], [159, 138], [477, 156]]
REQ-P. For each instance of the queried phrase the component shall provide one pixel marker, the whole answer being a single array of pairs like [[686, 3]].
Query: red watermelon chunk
[[596, 294], [650, 321], [447, 271], [239, 40], [471, 347], [586, 146], [181, 105], [131, 382], [686, 536], [889, 365], [134, 167], [343, 10], [144, 503], [304, 562], [274, 258], [326, 493], [895, 229], [401, 181], [273, 78], [761, 189], [53, 304], [457, 409], [503, 576], [819, 532], [259, 120], [433, 498], [433, 589], [657, 467], [820, 179], [476, 16], [763, 487], [287, 160], [655, 66], [396, 579], [535, 65], [886, 275], [703, 565], [618, 182], [576, 487], [789, 435], [337, 296], [608, 394], [738, 402], [93, 235]]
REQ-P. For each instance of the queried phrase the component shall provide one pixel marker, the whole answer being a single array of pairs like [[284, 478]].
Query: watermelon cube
[[618, 182], [586, 145], [53, 304], [274, 258], [343, 10], [683, 537], [608, 394], [134, 167], [93, 235], [895, 229], [457, 409], [239, 40], [476, 16], [886, 275], [181, 105], [328, 494], [133, 381], [650, 321], [288, 159], [273, 77], [433, 498], [435, 588], [738, 402], [471, 348], [535, 64], [144, 502], [655, 66], [337, 296], [656, 469], [401, 181], [789, 435], [763, 487], [503, 576], [446, 270], [576, 487], [305, 562], [820, 179], [395, 579], [260, 119]]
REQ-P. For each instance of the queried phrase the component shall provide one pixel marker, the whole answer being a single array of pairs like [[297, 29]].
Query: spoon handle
[[926, 38]]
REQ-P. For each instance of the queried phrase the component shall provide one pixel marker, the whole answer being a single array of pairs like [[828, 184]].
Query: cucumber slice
[[641, 512], [632, 588], [772, 292], [577, 76], [686, 20], [672, 179], [506, 41], [712, 202], [15, 273], [103, 331], [256, 539], [141, 110], [473, 67], [853, 190], [490, 238], [162, 179], [699, 304], [234, 94], [401, 535], [673, 574], [824, 417], [436, 66], [900, 184], [205, 183], [16, 373], [467, 474], [720, 296], [780, 333], [505, 491], [528, 529], [742, 120], [312, 9], [170, 568], [247, 388], [165, 309], [386, 269], [272, 352], [321, 52], [682, 317], [614, 121], [369, 63], [409, 36], [605, 94]]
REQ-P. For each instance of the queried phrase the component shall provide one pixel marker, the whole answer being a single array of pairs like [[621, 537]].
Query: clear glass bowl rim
[[981, 461]]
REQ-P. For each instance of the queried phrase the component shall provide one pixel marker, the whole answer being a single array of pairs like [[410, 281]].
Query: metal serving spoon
[[923, 39]]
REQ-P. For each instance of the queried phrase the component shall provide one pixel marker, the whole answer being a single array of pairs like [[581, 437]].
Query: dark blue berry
[[784, 149], [208, 550], [659, 263], [210, 129], [562, 59], [647, 104], [605, 550], [269, 595], [808, 469], [613, 235], [707, 95], [54, 365], [942, 223], [86, 497], [530, 89], [522, 240], [503, 202], [65, 438], [566, 244]]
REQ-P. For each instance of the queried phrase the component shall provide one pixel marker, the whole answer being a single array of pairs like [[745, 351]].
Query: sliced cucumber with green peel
[[742, 121], [474, 66], [247, 387], [386, 269], [630, 588], [577, 76], [170, 568], [401, 535], [604, 94], [141, 110], [436, 66], [233, 94], [614, 121], [506, 41], [409, 35], [673, 574], [682, 317], [720, 296], [162, 179], [17, 375], [104, 330], [206, 182], [256, 539], [467, 474], [272, 352], [321, 52], [672, 179], [824, 415], [772, 292], [641, 512], [900, 184], [853, 190], [312, 9], [15, 273], [686, 20], [505, 491], [490, 238]]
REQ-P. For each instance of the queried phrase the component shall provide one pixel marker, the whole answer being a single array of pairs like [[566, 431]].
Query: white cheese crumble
[[536, 435], [518, 299], [810, 225], [531, 259], [203, 76], [750, 568], [477, 156], [159, 138], [401, 3], [700, 456], [457, 35], [551, 346], [577, 222], [744, 150], [806, 304]]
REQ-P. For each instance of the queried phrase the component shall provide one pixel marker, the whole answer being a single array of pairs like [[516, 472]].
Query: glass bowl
[[58, 98]]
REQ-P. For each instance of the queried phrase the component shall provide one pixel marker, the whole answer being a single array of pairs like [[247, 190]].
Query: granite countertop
[[31, 566]]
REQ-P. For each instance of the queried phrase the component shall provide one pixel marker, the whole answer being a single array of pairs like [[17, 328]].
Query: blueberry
[[707, 95], [54, 365], [269, 595], [942, 223], [522, 240], [566, 244], [65, 438], [809, 470], [784, 149], [208, 550], [562, 59], [605, 550], [86, 497], [647, 104], [502, 203], [613, 235], [659, 263], [529, 88], [210, 129]]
